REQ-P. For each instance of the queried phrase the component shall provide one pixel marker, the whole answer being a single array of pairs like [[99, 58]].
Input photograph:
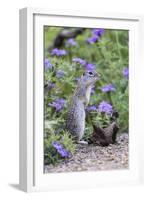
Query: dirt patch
[[93, 158]]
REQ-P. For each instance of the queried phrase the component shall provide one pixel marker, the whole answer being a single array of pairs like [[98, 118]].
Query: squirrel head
[[89, 78], [85, 84]]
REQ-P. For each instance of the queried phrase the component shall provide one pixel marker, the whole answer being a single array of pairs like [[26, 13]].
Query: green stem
[[109, 97], [88, 118]]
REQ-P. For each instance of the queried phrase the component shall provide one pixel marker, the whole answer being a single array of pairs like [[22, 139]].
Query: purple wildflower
[[108, 88], [91, 108], [56, 145], [70, 42], [92, 39], [105, 107], [79, 61], [125, 72], [58, 52], [60, 73], [98, 31], [63, 153], [58, 104], [47, 64], [89, 66], [50, 85]]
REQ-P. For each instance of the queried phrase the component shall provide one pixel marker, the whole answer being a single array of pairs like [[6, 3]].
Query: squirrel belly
[[75, 123], [88, 92]]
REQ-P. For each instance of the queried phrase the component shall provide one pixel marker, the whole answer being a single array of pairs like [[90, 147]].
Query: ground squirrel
[[75, 122]]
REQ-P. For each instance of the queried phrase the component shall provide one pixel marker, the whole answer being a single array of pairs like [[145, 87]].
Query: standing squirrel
[[75, 122]]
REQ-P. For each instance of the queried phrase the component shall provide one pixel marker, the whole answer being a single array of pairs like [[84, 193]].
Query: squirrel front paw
[[82, 142]]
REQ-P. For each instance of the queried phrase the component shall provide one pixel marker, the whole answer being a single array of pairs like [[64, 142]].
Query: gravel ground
[[92, 158]]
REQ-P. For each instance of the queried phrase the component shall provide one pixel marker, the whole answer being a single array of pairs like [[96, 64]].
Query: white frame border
[[27, 92]]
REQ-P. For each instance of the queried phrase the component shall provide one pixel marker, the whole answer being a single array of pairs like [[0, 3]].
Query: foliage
[[57, 147], [106, 51]]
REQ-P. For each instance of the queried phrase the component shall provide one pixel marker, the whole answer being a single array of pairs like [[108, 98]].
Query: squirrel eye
[[91, 73]]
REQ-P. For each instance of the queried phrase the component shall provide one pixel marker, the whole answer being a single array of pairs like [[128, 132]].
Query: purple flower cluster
[[70, 42], [63, 152], [92, 39], [105, 107], [87, 66], [47, 64], [58, 104], [98, 31], [50, 85], [60, 73], [58, 52], [96, 34], [125, 72], [108, 88], [79, 61]]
